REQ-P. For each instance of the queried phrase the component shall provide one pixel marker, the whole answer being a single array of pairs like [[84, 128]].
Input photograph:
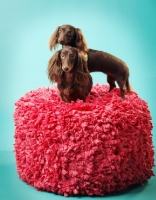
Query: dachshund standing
[[115, 68], [68, 68]]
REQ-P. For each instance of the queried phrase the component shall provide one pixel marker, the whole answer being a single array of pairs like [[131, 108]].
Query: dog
[[68, 68], [115, 68]]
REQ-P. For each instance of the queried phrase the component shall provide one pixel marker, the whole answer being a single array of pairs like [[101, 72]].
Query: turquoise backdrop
[[124, 28]]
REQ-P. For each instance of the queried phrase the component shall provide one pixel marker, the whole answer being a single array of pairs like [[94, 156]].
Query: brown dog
[[68, 68], [115, 68]]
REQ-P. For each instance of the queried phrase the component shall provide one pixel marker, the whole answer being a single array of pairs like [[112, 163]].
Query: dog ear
[[54, 68], [53, 39], [80, 42], [81, 74]]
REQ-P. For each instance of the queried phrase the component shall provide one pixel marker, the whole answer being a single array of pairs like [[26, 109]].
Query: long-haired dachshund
[[68, 68], [115, 68]]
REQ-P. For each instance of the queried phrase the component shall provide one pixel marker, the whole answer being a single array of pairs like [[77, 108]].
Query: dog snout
[[65, 69], [60, 39]]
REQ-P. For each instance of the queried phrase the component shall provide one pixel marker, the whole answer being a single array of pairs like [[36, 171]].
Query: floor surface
[[12, 188]]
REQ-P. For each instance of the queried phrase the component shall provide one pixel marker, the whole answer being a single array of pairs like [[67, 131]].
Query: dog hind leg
[[122, 85], [111, 81]]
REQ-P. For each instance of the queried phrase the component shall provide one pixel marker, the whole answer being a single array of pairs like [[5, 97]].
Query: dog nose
[[66, 68], [60, 40]]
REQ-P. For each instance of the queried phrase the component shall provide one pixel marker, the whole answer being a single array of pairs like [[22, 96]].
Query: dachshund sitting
[[115, 68], [68, 68]]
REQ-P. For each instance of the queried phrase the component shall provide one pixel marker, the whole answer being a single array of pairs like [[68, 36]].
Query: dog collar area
[[85, 55]]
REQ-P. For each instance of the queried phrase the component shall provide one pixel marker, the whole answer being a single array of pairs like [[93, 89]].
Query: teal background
[[124, 28]]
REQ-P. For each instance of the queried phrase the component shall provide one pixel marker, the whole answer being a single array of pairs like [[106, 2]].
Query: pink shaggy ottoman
[[93, 148]]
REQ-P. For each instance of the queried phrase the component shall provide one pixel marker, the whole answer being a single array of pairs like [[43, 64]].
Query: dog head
[[68, 57], [69, 36], [67, 60]]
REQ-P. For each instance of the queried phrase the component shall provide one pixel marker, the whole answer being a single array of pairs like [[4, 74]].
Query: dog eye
[[60, 30], [72, 55], [69, 33], [62, 55]]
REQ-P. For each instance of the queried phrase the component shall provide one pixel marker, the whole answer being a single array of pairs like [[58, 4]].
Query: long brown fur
[[115, 68], [80, 41], [53, 40], [75, 83]]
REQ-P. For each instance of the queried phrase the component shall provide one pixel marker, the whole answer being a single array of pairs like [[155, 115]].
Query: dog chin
[[66, 71], [64, 43], [61, 43]]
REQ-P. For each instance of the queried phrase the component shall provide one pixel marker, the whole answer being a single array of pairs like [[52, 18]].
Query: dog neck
[[68, 78], [84, 52], [85, 55]]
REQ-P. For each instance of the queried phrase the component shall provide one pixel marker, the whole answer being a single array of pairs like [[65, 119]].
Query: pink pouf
[[93, 148]]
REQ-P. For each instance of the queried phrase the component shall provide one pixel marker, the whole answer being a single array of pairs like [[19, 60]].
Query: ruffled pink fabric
[[93, 148]]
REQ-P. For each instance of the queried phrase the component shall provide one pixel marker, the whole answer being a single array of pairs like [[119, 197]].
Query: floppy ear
[[80, 42], [81, 67], [54, 68], [53, 39]]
